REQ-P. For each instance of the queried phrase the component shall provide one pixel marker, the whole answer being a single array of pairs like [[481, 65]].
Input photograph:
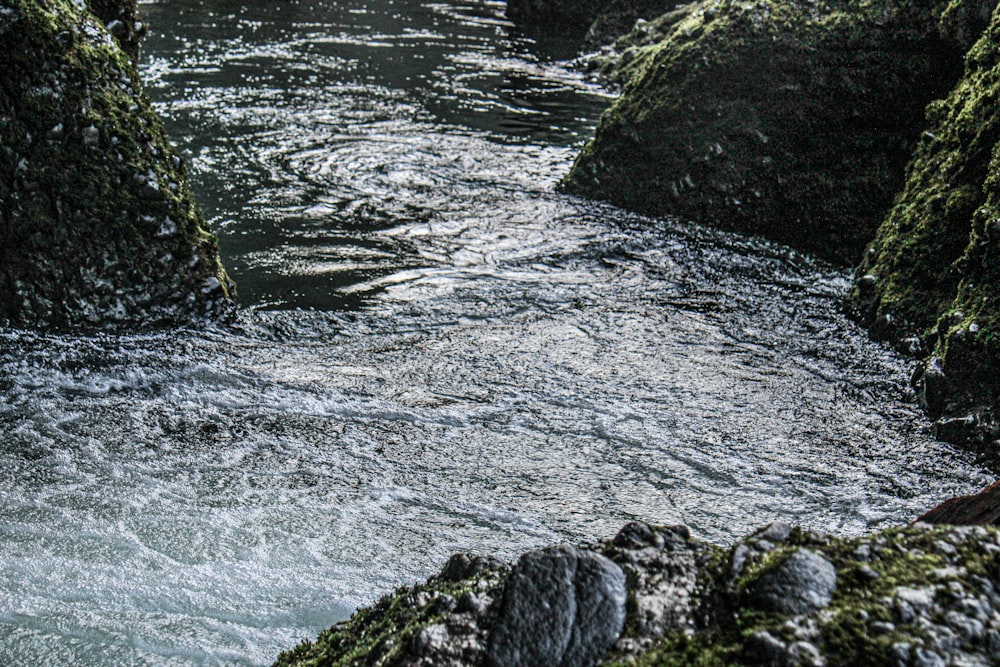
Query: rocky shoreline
[[917, 596]]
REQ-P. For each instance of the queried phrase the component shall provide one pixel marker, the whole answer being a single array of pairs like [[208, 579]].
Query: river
[[436, 351]]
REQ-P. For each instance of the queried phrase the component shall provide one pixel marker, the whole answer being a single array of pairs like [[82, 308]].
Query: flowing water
[[436, 352]]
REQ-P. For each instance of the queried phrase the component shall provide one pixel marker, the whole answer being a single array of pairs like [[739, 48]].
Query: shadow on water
[[478, 363]]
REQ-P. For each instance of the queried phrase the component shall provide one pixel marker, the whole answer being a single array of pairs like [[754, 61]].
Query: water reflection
[[314, 126]]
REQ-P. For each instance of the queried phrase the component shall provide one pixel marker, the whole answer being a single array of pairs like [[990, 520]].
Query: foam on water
[[477, 362]]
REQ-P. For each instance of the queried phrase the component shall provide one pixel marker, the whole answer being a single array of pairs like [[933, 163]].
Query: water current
[[436, 352]]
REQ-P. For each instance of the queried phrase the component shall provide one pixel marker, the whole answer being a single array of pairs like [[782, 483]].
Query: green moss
[[676, 649], [790, 120], [380, 635], [901, 558], [931, 273], [98, 221]]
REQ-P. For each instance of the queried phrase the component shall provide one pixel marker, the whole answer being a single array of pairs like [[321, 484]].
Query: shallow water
[[437, 352]]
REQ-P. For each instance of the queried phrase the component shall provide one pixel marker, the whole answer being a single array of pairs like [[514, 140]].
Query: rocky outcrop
[[920, 595], [792, 120], [930, 282], [98, 224]]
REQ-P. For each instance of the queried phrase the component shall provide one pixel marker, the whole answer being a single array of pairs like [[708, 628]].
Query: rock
[[619, 17], [778, 531], [82, 240], [936, 253], [982, 508], [560, 607], [121, 18], [942, 614], [570, 16], [802, 583], [742, 116], [763, 648]]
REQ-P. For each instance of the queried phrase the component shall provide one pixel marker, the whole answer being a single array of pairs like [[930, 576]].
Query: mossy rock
[[792, 120], [566, 16], [98, 222], [914, 595], [930, 282]]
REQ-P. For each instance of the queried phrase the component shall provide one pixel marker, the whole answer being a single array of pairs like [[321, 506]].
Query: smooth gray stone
[[561, 608], [803, 583]]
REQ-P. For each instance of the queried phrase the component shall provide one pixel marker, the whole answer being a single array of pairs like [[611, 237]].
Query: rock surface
[[921, 595], [561, 607], [792, 120], [801, 584], [98, 223], [571, 16], [930, 282]]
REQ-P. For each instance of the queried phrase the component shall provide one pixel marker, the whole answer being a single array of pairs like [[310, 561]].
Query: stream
[[436, 351]]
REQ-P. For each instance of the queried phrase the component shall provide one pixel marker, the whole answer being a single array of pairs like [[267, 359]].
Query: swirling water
[[437, 352]]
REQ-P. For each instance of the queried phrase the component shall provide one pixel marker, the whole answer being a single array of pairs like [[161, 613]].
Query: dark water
[[437, 353]]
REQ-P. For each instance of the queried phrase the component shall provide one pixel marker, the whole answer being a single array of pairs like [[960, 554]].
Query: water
[[437, 352]]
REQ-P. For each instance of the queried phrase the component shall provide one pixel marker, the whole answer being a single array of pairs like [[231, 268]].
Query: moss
[[677, 649], [902, 558], [931, 274], [792, 120], [98, 222], [380, 634]]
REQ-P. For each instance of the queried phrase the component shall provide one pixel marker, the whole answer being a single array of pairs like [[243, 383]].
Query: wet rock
[[802, 583], [560, 607], [84, 244], [958, 430], [740, 116]]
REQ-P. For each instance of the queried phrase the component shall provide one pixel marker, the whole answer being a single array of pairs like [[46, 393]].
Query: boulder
[[561, 607], [792, 120], [800, 584], [930, 281], [97, 218]]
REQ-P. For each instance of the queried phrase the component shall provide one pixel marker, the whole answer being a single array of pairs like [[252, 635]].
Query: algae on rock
[[98, 223], [792, 120]]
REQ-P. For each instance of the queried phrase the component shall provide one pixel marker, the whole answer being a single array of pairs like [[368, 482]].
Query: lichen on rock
[[98, 223], [792, 120]]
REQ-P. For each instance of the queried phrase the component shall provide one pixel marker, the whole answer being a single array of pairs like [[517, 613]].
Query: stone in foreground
[[920, 595]]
